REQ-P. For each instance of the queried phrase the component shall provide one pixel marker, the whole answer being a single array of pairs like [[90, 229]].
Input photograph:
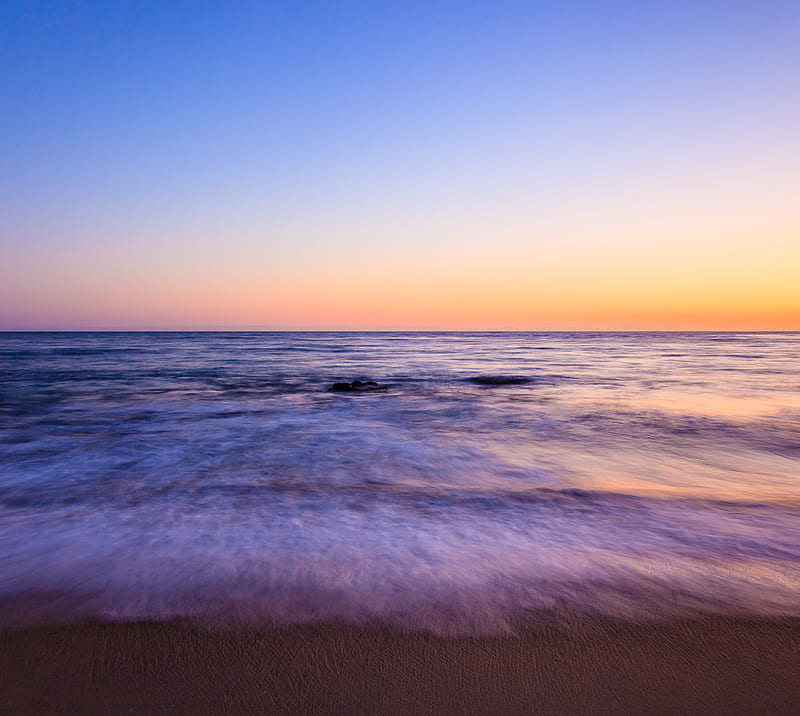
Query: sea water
[[491, 477]]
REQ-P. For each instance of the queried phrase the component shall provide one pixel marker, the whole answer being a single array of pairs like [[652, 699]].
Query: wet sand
[[706, 666]]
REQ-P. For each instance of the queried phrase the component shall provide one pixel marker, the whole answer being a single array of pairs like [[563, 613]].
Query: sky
[[387, 165]]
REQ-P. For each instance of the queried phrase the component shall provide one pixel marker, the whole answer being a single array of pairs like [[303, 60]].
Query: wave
[[452, 562]]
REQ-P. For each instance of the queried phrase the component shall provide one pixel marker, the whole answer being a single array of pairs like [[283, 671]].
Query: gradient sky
[[465, 165]]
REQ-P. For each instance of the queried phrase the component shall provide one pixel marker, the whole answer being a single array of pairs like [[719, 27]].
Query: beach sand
[[702, 666]]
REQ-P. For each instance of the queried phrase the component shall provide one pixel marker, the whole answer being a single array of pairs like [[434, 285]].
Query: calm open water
[[154, 475]]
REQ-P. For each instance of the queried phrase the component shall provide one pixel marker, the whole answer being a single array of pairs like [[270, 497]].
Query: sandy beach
[[698, 666]]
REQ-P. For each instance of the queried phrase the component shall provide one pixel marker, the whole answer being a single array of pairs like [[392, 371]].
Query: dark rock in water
[[499, 380], [357, 386], [337, 387]]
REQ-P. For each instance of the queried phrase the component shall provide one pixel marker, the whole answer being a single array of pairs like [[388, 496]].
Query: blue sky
[[142, 138]]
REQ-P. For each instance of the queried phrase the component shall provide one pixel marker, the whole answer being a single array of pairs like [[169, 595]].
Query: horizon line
[[399, 330]]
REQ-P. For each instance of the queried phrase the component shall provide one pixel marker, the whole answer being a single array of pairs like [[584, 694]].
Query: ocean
[[486, 478]]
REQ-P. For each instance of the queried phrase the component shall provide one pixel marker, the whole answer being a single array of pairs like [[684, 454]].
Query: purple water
[[147, 475]]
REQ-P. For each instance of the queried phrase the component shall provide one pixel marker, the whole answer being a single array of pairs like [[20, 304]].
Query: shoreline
[[699, 665]]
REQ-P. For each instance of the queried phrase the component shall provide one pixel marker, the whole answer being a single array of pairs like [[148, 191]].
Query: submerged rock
[[499, 380], [357, 386]]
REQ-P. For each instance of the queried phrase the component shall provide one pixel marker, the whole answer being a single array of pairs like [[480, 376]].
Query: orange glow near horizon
[[374, 301], [618, 284]]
